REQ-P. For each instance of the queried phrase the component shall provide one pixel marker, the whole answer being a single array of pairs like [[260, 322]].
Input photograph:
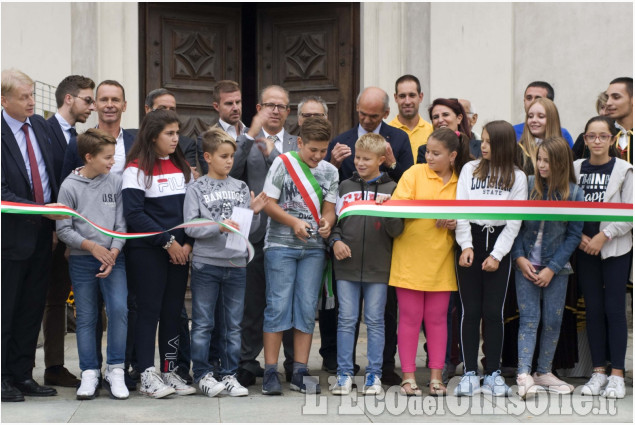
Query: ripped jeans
[[536, 305]]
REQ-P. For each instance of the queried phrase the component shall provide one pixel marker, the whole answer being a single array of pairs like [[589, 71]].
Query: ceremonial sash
[[313, 197]]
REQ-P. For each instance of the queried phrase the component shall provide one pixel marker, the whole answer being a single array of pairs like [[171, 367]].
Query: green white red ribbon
[[493, 210], [20, 208]]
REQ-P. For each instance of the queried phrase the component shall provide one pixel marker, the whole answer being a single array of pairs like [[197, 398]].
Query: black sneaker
[[184, 375], [305, 383], [389, 377], [131, 384], [245, 377], [271, 383]]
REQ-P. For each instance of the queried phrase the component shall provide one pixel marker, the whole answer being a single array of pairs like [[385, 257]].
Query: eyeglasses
[[164, 108], [89, 100], [272, 107], [590, 137], [309, 115]]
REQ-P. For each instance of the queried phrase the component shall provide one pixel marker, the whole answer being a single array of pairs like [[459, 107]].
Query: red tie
[[38, 192]]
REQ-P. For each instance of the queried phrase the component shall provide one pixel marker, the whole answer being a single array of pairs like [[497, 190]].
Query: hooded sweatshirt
[[369, 238], [215, 200], [99, 200]]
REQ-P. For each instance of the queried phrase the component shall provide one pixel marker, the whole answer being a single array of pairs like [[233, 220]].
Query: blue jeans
[[532, 311], [294, 279], [348, 296], [208, 284], [114, 289]]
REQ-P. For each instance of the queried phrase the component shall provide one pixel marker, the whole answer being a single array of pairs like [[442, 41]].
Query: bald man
[[372, 108]]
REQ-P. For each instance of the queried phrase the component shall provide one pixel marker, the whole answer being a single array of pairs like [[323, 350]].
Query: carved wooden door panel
[[311, 49], [187, 50]]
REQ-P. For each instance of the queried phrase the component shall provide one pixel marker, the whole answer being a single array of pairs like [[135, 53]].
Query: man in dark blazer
[[75, 102], [372, 108], [111, 104], [28, 177], [255, 152]]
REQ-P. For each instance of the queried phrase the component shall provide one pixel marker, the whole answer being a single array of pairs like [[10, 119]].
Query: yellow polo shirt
[[418, 136], [423, 255]]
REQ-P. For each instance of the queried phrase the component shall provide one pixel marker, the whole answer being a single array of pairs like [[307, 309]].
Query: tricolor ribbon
[[20, 208], [493, 210]]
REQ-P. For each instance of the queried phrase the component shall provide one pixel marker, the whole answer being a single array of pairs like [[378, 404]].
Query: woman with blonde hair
[[541, 122]]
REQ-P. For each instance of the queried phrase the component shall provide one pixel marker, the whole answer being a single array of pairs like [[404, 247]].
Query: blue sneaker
[[470, 385], [343, 385], [271, 383], [305, 383], [495, 385], [372, 386]]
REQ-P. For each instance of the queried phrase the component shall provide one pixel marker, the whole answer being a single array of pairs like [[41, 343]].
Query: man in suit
[[75, 102], [256, 150], [28, 177], [372, 108], [111, 104]]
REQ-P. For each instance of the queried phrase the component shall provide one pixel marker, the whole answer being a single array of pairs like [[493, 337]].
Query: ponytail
[[454, 141]]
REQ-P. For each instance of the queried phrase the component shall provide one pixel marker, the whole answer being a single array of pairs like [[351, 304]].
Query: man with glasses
[[111, 104], [75, 102], [312, 106], [256, 150], [409, 96]]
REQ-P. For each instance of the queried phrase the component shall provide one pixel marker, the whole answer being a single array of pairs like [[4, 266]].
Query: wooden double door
[[310, 49]]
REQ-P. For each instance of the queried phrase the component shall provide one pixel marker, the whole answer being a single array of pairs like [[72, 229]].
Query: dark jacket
[[399, 142], [559, 238], [369, 238], [475, 150], [58, 146], [20, 232], [72, 159]]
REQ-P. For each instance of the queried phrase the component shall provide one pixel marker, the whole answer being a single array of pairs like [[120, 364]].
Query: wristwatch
[[393, 165], [333, 242]]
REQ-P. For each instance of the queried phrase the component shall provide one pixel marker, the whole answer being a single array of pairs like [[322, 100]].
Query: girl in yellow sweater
[[422, 268]]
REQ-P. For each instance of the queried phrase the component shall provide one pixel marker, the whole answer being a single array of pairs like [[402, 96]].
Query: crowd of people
[[284, 194]]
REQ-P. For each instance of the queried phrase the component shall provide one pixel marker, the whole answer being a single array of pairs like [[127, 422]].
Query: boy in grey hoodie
[[94, 265], [216, 270]]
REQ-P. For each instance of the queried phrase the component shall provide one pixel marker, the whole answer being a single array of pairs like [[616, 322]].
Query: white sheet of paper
[[243, 217]]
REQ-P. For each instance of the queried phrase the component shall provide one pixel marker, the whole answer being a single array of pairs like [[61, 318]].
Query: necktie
[[73, 132], [38, 192], [273, 138]]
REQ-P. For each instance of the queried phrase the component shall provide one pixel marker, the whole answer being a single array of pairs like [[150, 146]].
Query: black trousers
[[24, 287], [254, 315], [482, 297], [54, 321]]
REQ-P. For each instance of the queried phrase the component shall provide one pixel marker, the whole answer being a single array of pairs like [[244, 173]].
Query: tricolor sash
[[313, 197]]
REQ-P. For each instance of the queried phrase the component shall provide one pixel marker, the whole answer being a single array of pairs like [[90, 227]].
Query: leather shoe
[[31, 388], [245, 377], [10, 393], [329, 364], [131, 384], [60, 377]]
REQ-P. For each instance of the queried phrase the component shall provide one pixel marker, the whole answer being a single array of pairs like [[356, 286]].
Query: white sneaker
[[596, 384], [469, 385], [152, 385], [175, 381], [115, 384], [552, 384], [526, 385], [343, 385], [615, 388], [88, 388], [233, 387], [210, 386], [372, 385]]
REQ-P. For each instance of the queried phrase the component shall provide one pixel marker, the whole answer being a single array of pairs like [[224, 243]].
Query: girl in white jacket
[[604, 257]]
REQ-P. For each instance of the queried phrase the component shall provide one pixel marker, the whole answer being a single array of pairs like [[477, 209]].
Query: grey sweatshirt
[[215, 200], [97, 199]]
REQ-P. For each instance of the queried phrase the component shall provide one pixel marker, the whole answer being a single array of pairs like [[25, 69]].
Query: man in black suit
[[372, 108], [75, 102], [111, 104], [27, 177]]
